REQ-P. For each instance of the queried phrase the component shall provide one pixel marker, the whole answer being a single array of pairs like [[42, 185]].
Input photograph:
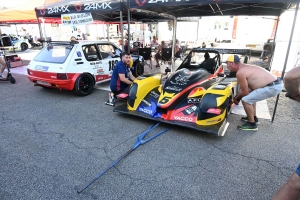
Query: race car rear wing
[[245, 51]]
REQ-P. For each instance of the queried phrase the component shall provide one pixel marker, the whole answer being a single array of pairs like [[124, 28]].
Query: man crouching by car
[[256, 84], [122, 77]]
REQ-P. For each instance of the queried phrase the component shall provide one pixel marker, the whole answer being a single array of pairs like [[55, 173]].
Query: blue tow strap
[[138, 142]]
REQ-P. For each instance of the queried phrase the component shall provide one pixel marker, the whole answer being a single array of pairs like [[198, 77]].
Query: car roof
[[81, 42]]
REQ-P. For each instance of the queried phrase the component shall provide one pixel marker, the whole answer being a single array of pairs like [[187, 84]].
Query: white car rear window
[[54, 53]]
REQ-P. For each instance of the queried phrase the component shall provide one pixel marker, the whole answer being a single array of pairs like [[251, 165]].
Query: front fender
[[215, 104], [140, 88]]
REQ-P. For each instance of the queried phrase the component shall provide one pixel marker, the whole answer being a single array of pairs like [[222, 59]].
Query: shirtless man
[[256, 84], [291, 189]]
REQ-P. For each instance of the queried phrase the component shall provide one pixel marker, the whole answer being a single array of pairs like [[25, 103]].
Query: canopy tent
[[102, 10], [149, 9], [190, 8], [23, 12], [107, 10]]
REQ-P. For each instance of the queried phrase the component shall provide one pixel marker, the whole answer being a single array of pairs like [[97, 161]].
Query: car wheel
[[24, 46], [84, 85], [138, 69]]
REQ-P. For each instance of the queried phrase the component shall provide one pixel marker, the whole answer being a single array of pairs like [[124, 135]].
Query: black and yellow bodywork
[[195, 99]]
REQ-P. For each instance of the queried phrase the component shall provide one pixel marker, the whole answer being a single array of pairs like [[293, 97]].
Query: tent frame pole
[[286, 57], [107, 31], [40, 30], [174, 43], [274, 42], [128, 23], [121, 29]]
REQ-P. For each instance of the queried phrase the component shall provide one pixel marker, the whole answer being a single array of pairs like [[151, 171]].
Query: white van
[[77, 66]]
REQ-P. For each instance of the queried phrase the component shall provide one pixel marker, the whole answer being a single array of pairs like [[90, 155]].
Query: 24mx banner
[[76, 19]]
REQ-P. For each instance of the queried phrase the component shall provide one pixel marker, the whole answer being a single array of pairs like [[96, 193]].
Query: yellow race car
[[198, 95]]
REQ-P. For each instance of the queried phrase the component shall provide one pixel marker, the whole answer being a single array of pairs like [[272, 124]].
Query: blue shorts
[[262, 93], [298, 170]]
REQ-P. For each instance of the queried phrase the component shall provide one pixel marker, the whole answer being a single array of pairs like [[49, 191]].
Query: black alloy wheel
[[24, 46], [84, 85]]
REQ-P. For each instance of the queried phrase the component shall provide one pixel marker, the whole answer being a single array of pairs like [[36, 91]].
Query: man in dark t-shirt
[[122, 77]]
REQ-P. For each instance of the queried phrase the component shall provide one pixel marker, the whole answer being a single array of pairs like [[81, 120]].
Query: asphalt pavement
[[53, 142]]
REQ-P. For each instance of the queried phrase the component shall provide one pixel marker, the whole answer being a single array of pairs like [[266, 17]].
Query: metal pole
[[128, 22], [286, 57], [174, 44], [198, 29], [121, 28], [107, 31], [273, 46]]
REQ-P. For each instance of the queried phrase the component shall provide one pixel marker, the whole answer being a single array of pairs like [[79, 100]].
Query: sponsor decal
[[186, 119], [79, 54], [180, 80], [212, 121], [92, 63], [100, 70], [41, 68], [154, 94], [190, 110], [140, 4], [194, 100], [61, 9], [145, 111], [174, 88], [53, 77], [95, 6], [78, 7], [166, 1], [146, 102], [43, 11]]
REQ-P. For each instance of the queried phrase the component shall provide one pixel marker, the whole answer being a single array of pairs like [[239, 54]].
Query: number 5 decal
[[165, 100]]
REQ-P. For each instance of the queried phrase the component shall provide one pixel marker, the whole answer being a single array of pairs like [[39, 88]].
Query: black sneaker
[[248, 127], [245, 119]]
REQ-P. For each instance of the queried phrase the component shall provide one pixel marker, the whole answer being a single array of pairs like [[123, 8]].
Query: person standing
[[256, 84], [2, 67], [291, 189]]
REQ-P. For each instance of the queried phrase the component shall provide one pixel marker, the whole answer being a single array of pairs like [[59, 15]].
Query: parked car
[[77, 65], [17, 43]]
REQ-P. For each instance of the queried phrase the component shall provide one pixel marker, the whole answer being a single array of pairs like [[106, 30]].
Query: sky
[[8, 4]]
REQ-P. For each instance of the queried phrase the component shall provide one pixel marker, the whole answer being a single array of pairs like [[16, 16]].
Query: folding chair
[[146, 53], [166, 54]]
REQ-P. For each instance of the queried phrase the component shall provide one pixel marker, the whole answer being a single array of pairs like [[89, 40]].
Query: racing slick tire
[[24, 46], [138, 69], [84, 85]]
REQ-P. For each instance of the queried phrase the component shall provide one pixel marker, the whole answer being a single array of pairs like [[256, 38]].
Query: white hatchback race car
[[77, 66]]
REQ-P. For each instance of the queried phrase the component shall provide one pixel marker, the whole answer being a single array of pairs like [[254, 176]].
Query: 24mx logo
[[61, 9], [95, 6]]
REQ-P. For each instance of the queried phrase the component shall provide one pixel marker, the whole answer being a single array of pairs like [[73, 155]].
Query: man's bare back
[[257, 77]]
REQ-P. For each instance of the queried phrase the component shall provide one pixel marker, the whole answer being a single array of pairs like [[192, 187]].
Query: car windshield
[[198, 57], [54, 53]]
